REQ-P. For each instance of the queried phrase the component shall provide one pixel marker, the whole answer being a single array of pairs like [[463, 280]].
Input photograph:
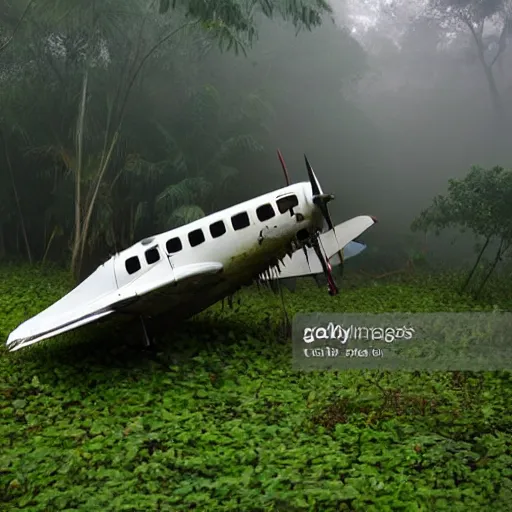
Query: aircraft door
[[132, 264], [128, 266], [173, 251]]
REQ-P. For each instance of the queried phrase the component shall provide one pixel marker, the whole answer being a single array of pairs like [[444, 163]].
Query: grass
[[217, 420]]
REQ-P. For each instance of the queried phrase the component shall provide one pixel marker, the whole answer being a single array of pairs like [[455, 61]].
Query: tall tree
[[70, 81], [476, 16], [11, 21], [481, 203]]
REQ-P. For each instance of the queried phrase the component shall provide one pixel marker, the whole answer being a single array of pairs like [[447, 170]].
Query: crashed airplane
[[181, 272]]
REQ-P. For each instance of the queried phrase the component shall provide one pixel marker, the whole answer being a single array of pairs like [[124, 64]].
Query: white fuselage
[[176, 274], [245, 239]]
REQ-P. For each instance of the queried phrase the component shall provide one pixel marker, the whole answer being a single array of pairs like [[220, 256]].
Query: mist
[[386, 117], [252, 361], [388, 101]]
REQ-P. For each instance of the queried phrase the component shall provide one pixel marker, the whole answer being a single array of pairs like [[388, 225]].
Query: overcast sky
[[390, 17]]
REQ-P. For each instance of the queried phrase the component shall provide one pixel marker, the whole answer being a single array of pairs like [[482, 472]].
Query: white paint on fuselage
[[235, 249]]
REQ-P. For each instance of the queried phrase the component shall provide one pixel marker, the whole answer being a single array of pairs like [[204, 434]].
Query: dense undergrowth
[[215, 419]]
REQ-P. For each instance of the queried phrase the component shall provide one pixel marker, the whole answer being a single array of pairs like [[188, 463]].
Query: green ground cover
[[216, 420]]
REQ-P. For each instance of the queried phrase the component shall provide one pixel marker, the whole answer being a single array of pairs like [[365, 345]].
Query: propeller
[[320, 200]]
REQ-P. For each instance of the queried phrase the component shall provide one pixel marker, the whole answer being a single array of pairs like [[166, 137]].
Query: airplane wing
[[305, 263], [74, 310]]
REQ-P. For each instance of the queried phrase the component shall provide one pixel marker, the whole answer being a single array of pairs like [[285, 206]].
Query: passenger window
[[132, 265], [196, 237], [286, 203], [240, 221], [173, 245], [217, 229], [265, 212], [152, 255]]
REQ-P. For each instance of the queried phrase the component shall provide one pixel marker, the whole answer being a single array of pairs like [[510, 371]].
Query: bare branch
[[17, 27], [145, 58], [502, 44]]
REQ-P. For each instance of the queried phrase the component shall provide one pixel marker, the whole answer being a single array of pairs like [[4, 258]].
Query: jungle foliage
[[480, 203], [114, 125], [475, 16], [216, 419], [109, 129]]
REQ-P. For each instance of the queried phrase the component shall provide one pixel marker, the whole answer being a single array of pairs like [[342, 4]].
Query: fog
[[389, 100], [387, 114]]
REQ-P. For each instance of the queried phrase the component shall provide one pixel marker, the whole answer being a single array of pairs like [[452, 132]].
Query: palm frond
[[256, 106], [226, 178], [141, 214], [244, 142], [187, 191], [137, 168], [205, 107], [185, 214], [176, 158]]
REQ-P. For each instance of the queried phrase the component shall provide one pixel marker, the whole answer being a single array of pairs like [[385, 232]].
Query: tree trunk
[[4, 46], [92, 203], [16, 198], [75, 264], [48, 245], [497, 103], [2, 242], [497, 258], [79, 246], [470, 275]]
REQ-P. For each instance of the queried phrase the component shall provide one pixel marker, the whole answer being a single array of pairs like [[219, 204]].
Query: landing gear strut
[[147, 342]]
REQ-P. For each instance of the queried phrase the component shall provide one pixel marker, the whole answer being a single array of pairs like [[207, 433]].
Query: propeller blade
[[320, 200], [326, 267], [283, 165], [315, 186], [325, 212]]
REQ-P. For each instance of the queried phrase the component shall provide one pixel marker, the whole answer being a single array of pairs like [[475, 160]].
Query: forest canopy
[[114, 123]]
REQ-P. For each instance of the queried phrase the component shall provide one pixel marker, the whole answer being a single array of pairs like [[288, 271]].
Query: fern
[[176, 159], [137, 167], [230, 146], [185, 214], [205, 107], [256, 107], [141, 214], [226, 173], [189, 190]]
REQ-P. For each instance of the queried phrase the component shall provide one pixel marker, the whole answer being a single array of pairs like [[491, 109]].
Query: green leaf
[[19, 404]]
